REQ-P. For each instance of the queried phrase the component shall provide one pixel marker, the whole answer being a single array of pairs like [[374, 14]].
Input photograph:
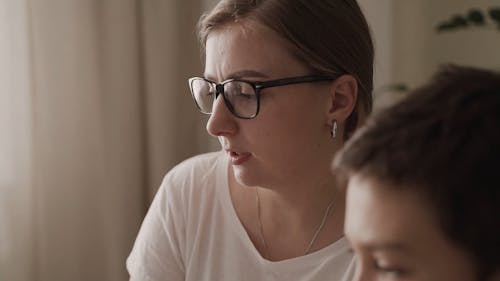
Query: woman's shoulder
[[200, 164], [202, 160], [200, 172]]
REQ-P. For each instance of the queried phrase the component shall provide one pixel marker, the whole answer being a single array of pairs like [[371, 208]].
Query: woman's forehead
[[236, 48]]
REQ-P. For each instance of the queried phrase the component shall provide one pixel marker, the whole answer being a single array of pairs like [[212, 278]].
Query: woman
[[286, 83], [423, 196]]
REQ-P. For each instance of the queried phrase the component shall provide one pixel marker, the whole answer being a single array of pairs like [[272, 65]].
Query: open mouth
[[238, 158]]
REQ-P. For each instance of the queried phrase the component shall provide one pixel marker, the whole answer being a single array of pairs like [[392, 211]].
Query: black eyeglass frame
[[257, 86]]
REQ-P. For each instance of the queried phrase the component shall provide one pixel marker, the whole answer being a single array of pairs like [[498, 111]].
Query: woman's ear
[[343, 97]]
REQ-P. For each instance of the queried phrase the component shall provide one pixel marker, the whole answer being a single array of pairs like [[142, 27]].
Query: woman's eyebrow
[[245, 73]]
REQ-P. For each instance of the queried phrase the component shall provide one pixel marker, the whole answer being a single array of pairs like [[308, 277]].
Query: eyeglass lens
[[240, 97]]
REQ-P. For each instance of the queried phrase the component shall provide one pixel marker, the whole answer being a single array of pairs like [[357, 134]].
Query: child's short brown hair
[[443, 140]]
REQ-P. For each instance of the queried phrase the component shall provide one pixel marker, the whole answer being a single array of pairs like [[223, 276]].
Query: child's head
[[423, 197]]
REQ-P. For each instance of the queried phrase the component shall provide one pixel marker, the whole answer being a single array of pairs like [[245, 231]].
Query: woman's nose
[[221, 122]]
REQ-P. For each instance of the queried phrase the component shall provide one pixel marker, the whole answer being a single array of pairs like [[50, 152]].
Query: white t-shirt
[[191, 232]]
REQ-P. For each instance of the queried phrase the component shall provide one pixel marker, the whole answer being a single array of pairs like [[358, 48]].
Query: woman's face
[[289, 140], [395, 236]]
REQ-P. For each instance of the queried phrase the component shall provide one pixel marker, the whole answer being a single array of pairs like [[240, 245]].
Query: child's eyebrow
[[387, 246]]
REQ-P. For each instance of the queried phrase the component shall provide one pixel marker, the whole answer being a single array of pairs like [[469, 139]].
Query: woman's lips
[[238, 158]]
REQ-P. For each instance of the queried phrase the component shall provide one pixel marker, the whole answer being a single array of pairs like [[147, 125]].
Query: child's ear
[[343, 97]]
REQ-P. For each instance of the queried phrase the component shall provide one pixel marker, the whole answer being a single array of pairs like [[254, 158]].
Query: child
[[423, 200]]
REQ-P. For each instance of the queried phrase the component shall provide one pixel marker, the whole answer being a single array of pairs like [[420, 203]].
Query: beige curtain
[[16, 202], [94, 109]]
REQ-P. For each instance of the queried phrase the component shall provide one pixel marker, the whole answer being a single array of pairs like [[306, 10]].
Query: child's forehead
[[374, 204]]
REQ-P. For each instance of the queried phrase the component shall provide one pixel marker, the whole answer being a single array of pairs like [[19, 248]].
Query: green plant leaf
[[459, 21], [476, 17], [495, 15]]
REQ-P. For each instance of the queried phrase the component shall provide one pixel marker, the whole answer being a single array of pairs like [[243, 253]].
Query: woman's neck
[[273, 213], [297, 203]]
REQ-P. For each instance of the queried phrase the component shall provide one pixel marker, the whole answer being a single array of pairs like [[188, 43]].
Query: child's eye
[[390, 271]]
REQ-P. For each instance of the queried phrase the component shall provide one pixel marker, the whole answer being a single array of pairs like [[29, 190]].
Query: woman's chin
[[244, 177]]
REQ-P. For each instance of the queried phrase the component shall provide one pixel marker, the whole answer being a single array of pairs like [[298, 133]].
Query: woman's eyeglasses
[[242, 97]]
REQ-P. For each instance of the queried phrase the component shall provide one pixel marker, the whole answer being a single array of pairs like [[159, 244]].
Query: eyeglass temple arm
[[292, 80]]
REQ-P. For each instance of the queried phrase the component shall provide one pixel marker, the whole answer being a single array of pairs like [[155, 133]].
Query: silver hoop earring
[[333, 132]]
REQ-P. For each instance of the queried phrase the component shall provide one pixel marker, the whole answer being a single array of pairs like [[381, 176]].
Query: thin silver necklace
[[316, 233]]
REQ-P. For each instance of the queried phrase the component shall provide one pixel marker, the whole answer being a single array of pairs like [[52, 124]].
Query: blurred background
[[95, 109]]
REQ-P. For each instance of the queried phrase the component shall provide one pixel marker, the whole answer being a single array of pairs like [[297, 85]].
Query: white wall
[[409, 49]]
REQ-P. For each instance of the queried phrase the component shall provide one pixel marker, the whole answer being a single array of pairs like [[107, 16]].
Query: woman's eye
[[245, 95], [245, 92]]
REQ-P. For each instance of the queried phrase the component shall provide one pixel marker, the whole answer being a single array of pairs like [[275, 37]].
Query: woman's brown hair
[[331, 37]]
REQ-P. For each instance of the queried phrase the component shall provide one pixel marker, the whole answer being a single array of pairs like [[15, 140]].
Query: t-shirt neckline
[[336, 248]]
